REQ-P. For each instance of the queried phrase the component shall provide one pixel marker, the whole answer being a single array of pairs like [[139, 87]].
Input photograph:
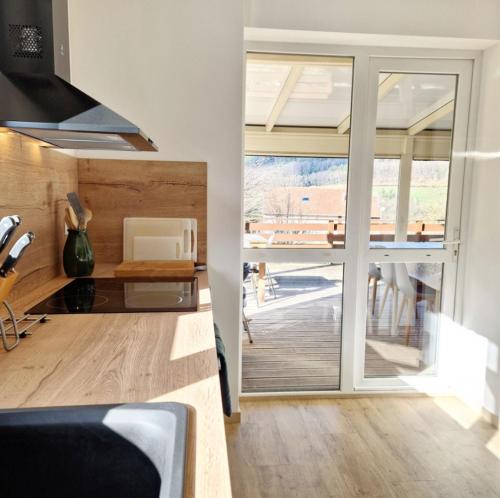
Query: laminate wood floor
[[372, 447]]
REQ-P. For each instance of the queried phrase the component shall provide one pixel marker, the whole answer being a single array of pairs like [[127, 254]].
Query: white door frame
[[355, 256], [447, 254]]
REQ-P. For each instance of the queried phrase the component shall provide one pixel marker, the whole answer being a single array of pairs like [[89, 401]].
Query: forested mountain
[[428, 183]]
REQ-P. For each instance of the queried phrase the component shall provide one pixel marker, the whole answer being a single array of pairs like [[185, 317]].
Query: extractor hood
[[36, 98]]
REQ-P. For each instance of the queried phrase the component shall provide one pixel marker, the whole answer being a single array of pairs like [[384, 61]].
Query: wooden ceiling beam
[[384, 87], [433, 113], [286, 90]]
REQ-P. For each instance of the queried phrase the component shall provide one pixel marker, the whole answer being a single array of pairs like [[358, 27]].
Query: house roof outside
[[309, 203]]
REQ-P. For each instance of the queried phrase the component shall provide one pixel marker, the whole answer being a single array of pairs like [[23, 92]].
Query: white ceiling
[[259, 34], [322, 97]]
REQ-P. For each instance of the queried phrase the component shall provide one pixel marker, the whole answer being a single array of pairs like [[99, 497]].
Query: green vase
[[78, 255]]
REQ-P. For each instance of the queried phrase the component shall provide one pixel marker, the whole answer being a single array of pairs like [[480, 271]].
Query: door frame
[[355, 255], [446, 254]]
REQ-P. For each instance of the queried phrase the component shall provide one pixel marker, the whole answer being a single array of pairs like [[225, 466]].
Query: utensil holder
[[6, 285], [13, 329], [78, 255]]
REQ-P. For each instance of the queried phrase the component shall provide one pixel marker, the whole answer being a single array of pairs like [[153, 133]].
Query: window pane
[[292, 201], [384, 199], [297, 116], [415, 118], [293, 314], [404, 301], [428, 196]]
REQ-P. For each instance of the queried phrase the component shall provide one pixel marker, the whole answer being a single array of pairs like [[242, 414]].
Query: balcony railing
[[332, 233]]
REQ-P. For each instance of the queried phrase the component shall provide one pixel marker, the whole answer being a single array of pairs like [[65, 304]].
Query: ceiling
[[293, 92]]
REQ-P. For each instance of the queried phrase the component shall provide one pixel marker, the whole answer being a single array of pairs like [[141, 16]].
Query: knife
[[75, 203], [8, 226], [15, 253]]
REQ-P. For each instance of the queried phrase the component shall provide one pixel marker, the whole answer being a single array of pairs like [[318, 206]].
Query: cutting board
[[159, 239], [156, 248], [155, 269]]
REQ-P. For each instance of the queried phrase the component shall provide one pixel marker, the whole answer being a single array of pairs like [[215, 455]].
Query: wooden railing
[[333, 233]]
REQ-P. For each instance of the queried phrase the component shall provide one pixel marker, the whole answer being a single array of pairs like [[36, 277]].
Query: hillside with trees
[[263, 174]]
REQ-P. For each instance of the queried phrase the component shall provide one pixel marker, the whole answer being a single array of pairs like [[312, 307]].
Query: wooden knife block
[[155, 269], [6, 285]]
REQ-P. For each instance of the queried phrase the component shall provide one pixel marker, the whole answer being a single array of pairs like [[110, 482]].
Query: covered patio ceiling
[[315, 91]]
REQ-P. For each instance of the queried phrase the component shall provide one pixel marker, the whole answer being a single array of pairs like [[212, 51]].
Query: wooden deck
[[297, 334]]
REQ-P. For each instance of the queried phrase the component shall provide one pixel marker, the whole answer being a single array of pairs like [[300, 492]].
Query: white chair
[[389, 279], [410, 297], [374, 275], [409, 294]]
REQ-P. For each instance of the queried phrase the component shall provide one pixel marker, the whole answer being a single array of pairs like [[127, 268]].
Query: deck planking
[[297, 336]]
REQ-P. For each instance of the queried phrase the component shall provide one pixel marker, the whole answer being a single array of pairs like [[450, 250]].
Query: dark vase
[[78, 255]]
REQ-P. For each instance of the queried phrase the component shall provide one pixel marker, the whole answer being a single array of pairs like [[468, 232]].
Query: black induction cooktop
[[117, 295]]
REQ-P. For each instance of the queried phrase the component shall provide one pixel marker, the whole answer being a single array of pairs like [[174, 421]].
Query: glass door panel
[[298, 121], [295, 202], [297, 145], [404, 302], [415, 118], [384, 206], [428, 198], [292, 317]]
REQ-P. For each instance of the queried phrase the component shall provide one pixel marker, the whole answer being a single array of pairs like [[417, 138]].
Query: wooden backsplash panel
[[116, 189], [35, 181]]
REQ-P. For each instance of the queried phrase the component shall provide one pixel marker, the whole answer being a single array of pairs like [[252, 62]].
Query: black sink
[[100, 451]]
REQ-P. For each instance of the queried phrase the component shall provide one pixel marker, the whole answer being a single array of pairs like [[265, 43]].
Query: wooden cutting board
[[155, 268]]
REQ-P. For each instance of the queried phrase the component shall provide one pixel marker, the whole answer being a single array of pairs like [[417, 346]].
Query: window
[[298, 120], [384, 199], [428, 197], [415, 116], [295, 201]]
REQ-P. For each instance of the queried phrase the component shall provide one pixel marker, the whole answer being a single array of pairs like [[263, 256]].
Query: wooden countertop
[[123, 358]]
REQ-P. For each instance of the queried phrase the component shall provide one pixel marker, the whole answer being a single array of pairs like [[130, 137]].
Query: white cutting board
[[159, 238], [147, 248]]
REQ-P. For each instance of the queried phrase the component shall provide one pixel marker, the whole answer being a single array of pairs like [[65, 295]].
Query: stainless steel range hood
[[36, 98]]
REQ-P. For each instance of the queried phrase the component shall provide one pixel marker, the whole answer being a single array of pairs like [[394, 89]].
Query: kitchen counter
[[122, 358]]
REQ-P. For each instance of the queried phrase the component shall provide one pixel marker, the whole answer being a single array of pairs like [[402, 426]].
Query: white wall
[[481, 317], [475, 19], [175, 69]]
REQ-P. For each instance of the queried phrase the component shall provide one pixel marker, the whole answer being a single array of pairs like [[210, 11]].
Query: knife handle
[[7, 227], [7, 266], [15, 253]]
